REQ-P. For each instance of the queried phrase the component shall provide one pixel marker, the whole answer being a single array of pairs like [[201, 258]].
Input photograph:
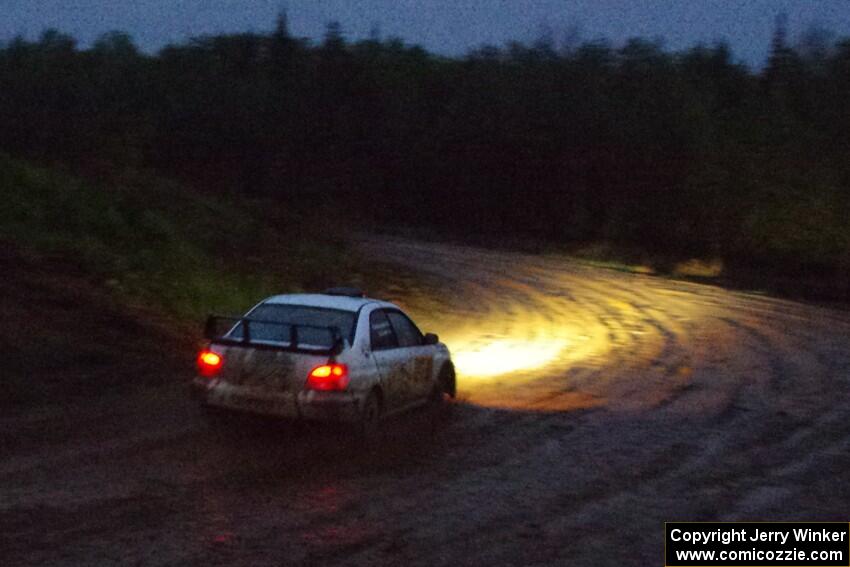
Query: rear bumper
[[307, 405], [330, 406]]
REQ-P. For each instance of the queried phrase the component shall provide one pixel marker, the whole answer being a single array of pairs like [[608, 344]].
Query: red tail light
[[328, 377], [209, 363]]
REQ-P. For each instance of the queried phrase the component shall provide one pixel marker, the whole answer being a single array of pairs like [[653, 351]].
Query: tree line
[[684, 153]]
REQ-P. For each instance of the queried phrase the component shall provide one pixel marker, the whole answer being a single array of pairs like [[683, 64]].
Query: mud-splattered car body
[[323, 357]]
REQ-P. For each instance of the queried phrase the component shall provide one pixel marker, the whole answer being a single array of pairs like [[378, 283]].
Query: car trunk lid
[[271, 370]]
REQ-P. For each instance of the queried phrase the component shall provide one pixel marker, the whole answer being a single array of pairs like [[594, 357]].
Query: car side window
[[381, 332], [407, 333]]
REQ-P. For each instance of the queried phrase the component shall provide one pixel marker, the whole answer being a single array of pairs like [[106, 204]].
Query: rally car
[[335, 355]]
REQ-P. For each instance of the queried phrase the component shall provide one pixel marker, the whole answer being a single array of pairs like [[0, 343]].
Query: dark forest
[[686, 154]]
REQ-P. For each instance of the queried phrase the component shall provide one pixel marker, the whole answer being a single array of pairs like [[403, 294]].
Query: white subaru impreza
[[331, 356]]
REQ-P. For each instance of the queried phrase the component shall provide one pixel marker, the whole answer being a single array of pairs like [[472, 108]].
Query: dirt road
[[595, 405]]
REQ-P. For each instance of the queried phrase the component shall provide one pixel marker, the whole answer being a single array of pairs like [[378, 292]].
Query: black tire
[[370, 418], [445, 386], [441, 395], [222, 424], [212, 414]]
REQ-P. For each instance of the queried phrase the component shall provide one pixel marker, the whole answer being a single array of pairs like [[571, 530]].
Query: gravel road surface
[[594, 405]]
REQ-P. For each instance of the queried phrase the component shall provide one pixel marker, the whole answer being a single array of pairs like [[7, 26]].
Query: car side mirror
[[430, 339]]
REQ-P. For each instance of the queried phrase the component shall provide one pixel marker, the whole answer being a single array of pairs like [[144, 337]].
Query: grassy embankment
[[106, 284]]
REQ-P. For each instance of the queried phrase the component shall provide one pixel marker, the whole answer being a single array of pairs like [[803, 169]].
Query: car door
[[390, 361], [419, 357]]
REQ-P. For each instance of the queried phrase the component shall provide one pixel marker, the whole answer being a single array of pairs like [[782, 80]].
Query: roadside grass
[[604, 255], [751, 277], [106, 285], [152, 241]]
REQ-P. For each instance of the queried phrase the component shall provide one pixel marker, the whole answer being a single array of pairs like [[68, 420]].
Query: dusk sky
[[444, 26]]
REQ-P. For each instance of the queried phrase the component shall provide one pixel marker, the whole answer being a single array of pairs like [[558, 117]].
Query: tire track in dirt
[[761, 383], [595, 405]]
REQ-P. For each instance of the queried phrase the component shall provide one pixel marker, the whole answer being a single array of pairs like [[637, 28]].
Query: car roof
[[344, 303]]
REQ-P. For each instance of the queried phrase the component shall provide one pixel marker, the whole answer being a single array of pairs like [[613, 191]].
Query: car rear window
[[312, 323]]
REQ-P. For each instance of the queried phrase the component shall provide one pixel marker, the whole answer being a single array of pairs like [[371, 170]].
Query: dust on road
[[595, 405]]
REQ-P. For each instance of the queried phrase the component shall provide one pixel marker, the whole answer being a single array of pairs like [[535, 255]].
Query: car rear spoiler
[[223, 330]]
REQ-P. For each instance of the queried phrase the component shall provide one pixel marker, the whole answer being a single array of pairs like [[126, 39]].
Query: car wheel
[[444, 389], [212, 414], [440, 399], [222, 424], [370, 418]]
